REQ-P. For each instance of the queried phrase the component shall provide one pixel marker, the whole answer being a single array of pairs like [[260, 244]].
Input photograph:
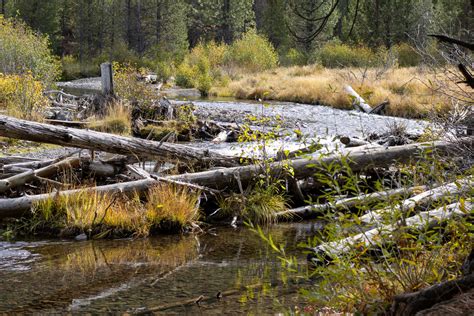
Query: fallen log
[[46, 133], [225, 177], [22, 178], [358, 102], [375, 238], [312, 211], [353, 142], [422, 199]]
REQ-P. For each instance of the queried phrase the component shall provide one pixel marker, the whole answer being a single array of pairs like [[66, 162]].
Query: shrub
[[293, 57], [252, 53], [407, 55], [128, 87], [186, 75], [22, 95], [22, 51], [336, 55]]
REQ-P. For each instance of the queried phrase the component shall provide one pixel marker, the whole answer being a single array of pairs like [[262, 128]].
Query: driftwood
[[225, 177], [353, 142], [358, 102], [312, 211], [22, 178], [45, 133], [422, 199], [378, 236]]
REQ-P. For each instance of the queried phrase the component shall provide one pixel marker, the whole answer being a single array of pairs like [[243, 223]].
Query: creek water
[[127, 276]]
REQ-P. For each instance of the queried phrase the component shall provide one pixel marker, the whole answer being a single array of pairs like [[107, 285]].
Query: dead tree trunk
[[45, 133]]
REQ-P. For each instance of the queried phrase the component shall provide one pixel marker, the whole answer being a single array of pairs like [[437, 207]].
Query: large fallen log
[[225, 177], [312, 211], [375, 238], [46, 133], [436, 194]]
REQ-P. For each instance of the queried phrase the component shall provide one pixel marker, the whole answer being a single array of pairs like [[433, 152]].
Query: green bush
[[186, 75], [252, 53], [337, 55], [293, 57], [23, 51], [407, 55]]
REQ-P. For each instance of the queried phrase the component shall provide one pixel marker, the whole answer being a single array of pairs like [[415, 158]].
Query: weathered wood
[[312, 211], [15, 159], [358, 102], [22, 178], [106, 76], [382, 234], [353, 142], [46, 133], [78, 124], [436, 194], [225, 177]]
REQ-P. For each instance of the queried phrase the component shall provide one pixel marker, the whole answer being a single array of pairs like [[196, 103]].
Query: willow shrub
[[22, 95], [252, 53], [22, 51]]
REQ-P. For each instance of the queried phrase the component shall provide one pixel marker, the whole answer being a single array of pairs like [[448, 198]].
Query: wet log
[[46, 133], [15, 159], [22, 178], [312, 211], [375, 238], [423, 199], [225, 178], [358, 102]]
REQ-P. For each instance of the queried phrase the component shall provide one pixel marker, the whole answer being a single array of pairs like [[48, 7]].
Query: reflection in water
[[135, 275]]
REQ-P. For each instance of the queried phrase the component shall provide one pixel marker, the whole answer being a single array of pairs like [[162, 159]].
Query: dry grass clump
[[117, 120], [165, 207], [405, 88], [168, 206]]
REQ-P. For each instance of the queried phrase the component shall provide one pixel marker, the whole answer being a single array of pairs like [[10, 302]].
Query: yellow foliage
[[22, 95]]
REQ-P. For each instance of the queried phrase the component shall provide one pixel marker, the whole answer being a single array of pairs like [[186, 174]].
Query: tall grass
[[407, 89], [163, 208]]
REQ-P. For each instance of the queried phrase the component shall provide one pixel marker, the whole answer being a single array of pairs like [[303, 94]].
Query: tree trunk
[[358, 102], [45, 133]]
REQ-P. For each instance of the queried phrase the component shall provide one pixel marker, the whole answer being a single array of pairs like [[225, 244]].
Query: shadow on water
[[135, 275]]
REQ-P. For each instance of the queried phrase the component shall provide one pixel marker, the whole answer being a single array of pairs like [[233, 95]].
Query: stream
[[127, 276]]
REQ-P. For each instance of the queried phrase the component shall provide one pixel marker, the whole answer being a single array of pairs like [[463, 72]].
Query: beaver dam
[[154, 207]]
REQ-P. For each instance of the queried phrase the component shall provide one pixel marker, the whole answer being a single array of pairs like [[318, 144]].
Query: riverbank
[[410, 91]]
